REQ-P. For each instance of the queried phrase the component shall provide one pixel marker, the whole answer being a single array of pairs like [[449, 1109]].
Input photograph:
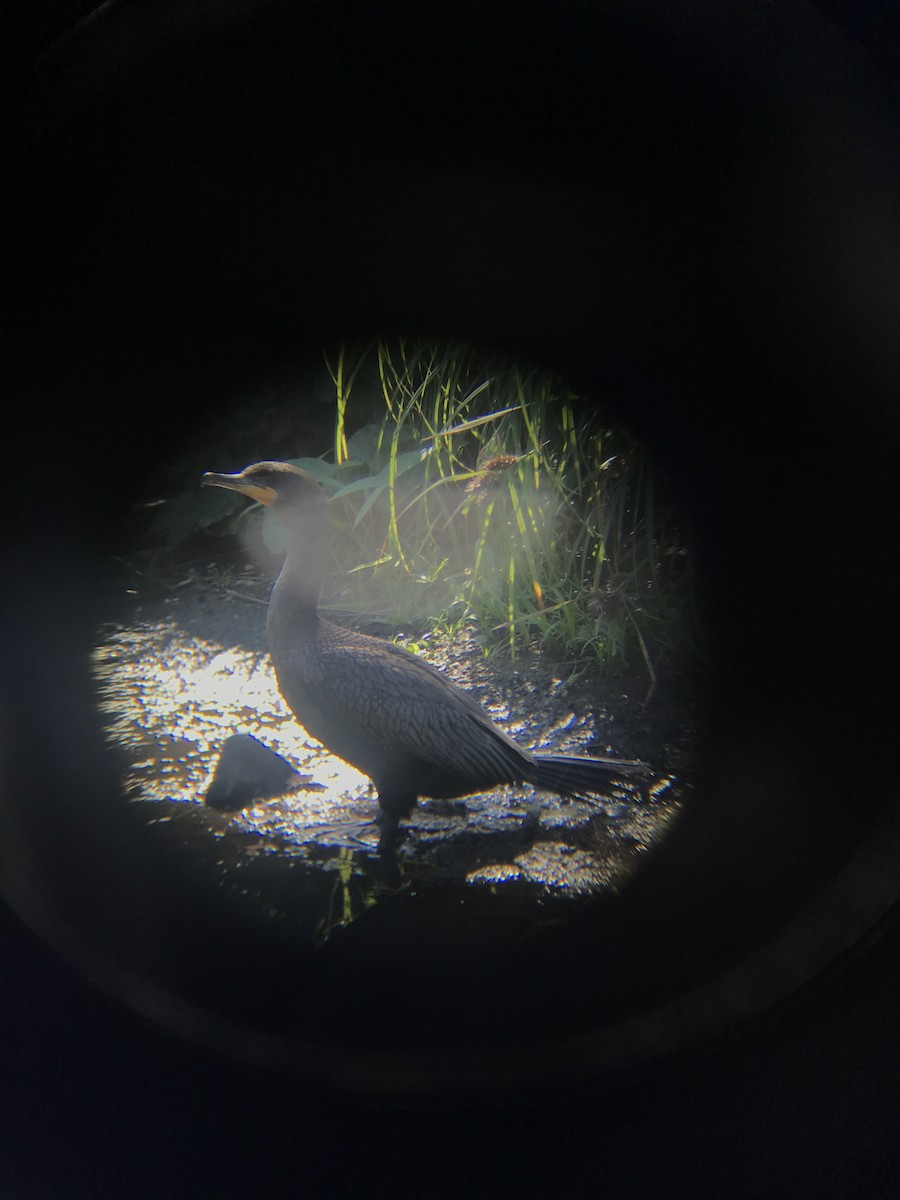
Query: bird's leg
[[394, 803], [531, 824], [389, 826]]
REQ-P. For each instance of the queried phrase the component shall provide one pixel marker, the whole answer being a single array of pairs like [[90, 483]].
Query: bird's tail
[[587, 777]]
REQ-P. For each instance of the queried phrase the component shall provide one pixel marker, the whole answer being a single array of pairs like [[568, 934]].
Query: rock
[[247, 771]]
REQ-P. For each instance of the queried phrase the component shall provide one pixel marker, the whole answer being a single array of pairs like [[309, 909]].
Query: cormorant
[[388, 713]]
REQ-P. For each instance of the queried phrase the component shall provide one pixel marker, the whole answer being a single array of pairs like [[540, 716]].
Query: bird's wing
[[402, 703]]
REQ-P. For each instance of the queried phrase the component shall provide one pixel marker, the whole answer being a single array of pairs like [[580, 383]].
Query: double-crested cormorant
[[391, 715]]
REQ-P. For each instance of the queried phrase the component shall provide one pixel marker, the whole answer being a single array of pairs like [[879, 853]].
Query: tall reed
[[470, 489]]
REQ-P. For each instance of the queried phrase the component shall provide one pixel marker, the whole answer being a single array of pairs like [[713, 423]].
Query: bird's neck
[[305, 563]]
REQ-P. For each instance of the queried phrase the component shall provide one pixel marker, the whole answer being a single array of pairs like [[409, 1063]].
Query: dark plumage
[[394, 717]]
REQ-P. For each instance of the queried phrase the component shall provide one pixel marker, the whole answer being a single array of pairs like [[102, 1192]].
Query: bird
[[389, 713]]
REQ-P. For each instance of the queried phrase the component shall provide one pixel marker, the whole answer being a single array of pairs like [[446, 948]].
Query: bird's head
[[279, 485]]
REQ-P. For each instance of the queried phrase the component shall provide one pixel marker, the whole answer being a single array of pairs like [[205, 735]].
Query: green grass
[[473, 491]]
